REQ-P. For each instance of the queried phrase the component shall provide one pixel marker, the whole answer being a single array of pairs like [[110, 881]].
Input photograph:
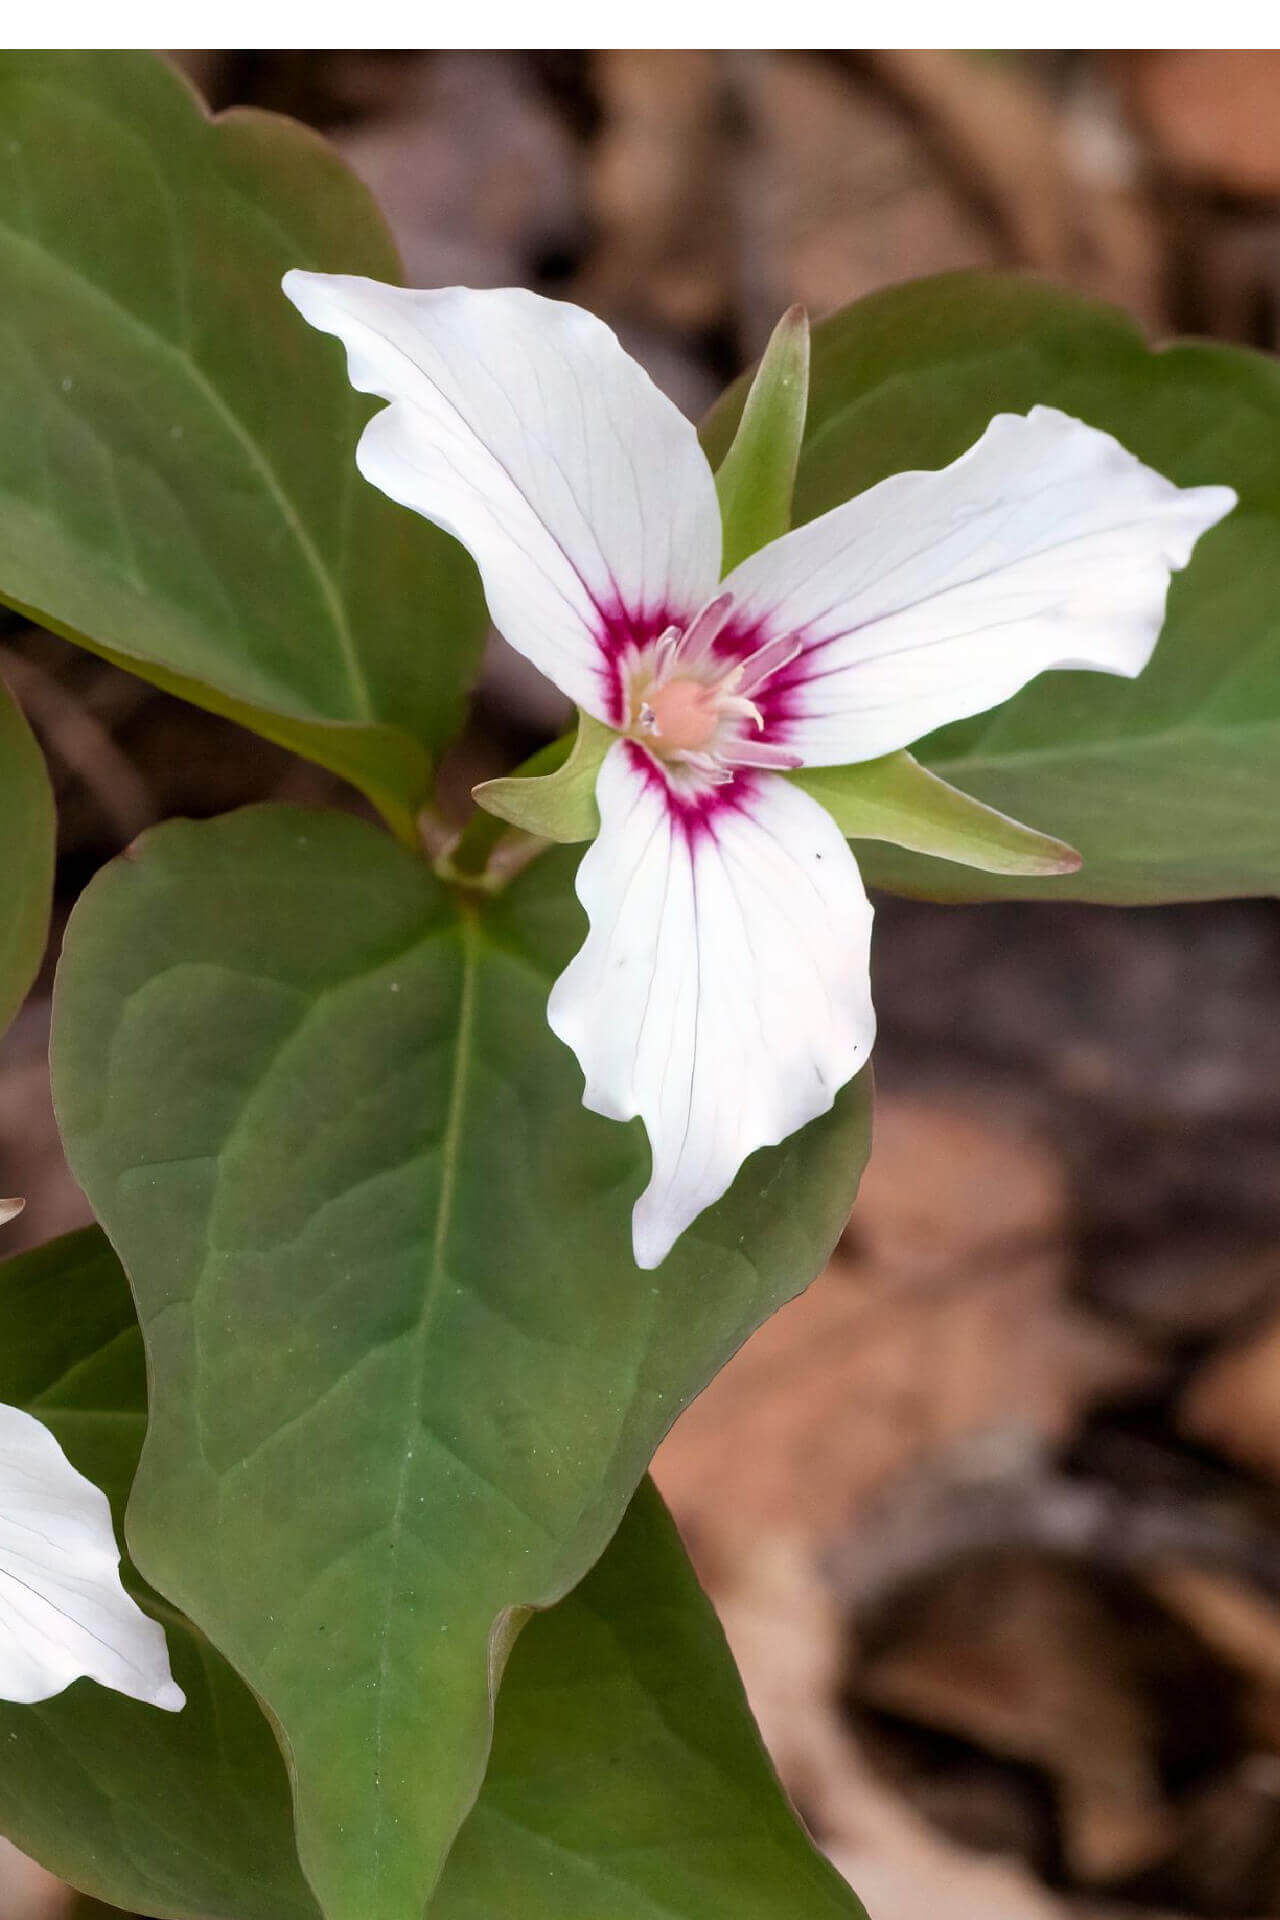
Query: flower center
[[693, 707], [682, 716]]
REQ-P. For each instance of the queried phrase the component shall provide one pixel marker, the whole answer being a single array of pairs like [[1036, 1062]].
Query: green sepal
[[756, 478], [556, 797], [896, 799]]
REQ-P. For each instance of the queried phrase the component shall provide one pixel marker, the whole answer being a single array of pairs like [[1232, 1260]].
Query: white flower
[[63, 1611], [723, 990]]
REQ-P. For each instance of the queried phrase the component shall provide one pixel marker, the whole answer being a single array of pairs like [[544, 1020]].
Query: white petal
[[723, 992], [63, 1611], [520, 426], [937, 595]]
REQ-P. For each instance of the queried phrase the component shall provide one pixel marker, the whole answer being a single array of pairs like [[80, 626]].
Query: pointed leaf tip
[[894, 798], [757, 476], [559, 804]]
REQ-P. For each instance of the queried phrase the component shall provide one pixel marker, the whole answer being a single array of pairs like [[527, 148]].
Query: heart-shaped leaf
[[27, 836], [405, 1373], [177, 483], [1169, 785], [621, 1723]]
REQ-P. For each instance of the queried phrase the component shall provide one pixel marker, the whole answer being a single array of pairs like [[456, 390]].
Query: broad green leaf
[[628, 1778], [27, 836], [896, 799], [1169, 785], [405, 1375], [185, 1815], [756, 478], [561, 804], [624, 1754], [177, 483]]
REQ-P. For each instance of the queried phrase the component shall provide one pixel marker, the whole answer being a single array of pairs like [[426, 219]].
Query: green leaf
[[185, 1815], [28, 831], [178, 488], [559, 805], [896, 799], [624, 1753], [756, 478], [628, 1777], [405, 1374], [1169, 785]]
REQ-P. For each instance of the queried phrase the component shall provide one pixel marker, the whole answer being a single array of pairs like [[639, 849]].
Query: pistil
[[682, 715]]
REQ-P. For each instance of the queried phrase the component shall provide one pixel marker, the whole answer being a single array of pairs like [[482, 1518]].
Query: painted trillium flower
[[723, 991], [63, 1612]]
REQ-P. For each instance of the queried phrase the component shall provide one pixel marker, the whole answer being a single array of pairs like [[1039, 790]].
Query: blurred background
[[992, 1514]]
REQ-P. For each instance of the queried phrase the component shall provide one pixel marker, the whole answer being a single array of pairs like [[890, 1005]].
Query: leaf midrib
[[450, 1150]]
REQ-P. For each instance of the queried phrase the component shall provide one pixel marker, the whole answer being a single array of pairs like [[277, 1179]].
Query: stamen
[[665, 653], [743, 710], [710, 765], [704, 629], [771, 659], [758, 753]]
